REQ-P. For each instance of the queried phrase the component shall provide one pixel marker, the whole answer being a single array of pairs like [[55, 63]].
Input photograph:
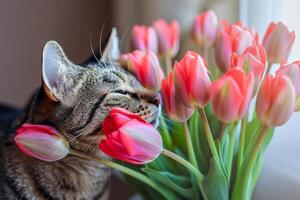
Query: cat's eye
[[121, 92], [124, 92]]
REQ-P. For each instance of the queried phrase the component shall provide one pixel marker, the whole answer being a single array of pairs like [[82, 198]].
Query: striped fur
[[76, 108]]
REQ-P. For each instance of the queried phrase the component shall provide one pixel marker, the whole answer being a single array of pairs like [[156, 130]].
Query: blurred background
[[25, 26]]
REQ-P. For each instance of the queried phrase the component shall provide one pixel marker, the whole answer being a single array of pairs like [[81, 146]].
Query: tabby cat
[[73, 99]]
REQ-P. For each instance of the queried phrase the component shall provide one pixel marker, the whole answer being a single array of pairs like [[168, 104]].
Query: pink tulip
[[168, 37], [41, 142], [144, 39], [146, 68], [231, 95], [232, 39], [252, 60], [174, 108], [129, 138], [205, 29], [275, 100], [278, 42], [292, 71], [192, 81]]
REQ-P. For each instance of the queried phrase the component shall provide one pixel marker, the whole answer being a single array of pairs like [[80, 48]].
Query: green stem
[[242, 142], [224, 125], [200, 177], [242, 186], [165, 133], [168, 63], [231, 149], [208, 134], [123, 169], [189, 145]]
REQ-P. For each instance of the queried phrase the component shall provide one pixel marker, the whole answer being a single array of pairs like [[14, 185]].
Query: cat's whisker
[[91, 46], [100, 41], [75, 137], [97, 135]]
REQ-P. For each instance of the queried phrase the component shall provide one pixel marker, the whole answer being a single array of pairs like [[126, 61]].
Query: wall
[[25, 26]]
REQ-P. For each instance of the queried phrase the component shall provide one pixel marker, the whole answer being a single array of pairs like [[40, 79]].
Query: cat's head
[[78, 97]]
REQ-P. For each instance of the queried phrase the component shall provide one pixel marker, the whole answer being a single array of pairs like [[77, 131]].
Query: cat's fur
[[73, 99]]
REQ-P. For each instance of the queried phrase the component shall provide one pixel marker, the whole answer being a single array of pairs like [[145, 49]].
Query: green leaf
[[256, 170], [223, 147], [164, 132], [215, 184], [163, 164], [259, 161], [252, 129], [195, 136], [172, 182]]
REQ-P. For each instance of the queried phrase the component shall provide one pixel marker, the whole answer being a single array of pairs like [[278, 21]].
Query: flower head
[[41, 142], [173, 105], [192, 81], [168, 37], [231, 95], [292, 71], [232, 39], [275, 100], [278, 42], [129, 138], [205, 29], [252, 60], [144, 38], [145, 66]]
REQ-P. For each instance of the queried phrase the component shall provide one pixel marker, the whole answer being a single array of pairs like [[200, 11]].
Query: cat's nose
[[151, 97], [155, 99]]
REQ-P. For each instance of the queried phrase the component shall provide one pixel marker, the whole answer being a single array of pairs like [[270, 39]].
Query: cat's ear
[[60, 76], [112, 49]]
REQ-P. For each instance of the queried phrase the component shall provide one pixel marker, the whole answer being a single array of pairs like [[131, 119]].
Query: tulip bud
[[275, 100], [232, 39], [231, 95], [41, 142], [252, 60], [145, 66], [205, 29], [278, 42], [173, 105], [144, 39], [168, 37], [192, 81], [292, 71], [129, 138]]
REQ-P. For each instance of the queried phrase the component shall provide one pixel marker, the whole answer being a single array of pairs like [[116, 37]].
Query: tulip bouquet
[[210, 142]]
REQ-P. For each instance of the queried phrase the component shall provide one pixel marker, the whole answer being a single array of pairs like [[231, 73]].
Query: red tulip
[[231, 95], [144, 39], [232, 39], [292, 71], [252, 60], [41, 142], [168, 37], [192, 81], [146, 68], [278, 42], [205, 29], [129, 138], [275, 100], [172, 102]]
